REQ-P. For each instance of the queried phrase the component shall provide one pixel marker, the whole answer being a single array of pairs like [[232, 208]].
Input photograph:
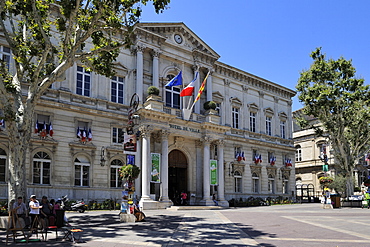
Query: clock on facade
[[178, 38]]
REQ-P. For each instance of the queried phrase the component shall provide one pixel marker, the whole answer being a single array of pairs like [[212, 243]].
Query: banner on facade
[[213, 172], [129, 143], [156, 161]]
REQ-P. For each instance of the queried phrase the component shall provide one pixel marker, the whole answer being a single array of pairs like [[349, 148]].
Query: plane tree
[[332, 94], [41, 39]]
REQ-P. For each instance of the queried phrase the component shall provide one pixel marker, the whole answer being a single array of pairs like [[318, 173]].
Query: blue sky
[[273, 39]]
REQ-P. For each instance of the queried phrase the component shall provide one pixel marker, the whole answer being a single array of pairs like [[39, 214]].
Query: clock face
[[178, 38]]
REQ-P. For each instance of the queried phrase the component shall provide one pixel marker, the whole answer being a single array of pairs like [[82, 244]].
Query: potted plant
[[153, 101], [326, 180], [129, 172], [209, 105], [211, 113], [153, 90]]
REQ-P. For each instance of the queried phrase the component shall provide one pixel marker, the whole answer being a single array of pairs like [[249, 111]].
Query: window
[[268, 126], [5, 55], [238, 181], [218, 108], [117, 135], [271, 184], [41, 168], [282, 129], [235, 117], [252, 121], [255, 183], [117, 84], [115, 180], [3, 158], [82, 170], [83, 86], [172, 95], [285, 184], [298, 153]]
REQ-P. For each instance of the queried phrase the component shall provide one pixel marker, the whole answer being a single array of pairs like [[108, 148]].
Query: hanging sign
[[156, 161], [213, 172]]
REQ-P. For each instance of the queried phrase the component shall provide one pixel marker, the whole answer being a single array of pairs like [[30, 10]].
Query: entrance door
[[177, 172]]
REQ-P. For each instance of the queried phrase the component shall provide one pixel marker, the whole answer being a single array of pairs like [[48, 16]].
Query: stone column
[[138, 164], [209, 86], [206, 172], [146, 163], [139, 71], [164, 167], [155, 55], [221, 173], [276, 119], [199, 170], [244, 112], [261, 123], [226, 111], [289, 127]]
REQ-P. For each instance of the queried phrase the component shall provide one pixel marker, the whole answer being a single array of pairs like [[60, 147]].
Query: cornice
[[251, 80]]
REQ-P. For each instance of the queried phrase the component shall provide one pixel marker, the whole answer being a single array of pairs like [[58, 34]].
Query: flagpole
[[204, 81]]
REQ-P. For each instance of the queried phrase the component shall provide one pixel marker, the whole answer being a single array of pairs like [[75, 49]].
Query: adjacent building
[[314, 159], [88, 126]]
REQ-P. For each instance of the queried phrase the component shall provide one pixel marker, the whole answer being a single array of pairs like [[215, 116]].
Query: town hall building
[[243, 148]]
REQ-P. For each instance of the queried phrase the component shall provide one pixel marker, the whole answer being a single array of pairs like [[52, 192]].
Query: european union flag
[[176, 81]]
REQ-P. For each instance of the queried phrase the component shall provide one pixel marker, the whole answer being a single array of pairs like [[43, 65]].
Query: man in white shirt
[[34, 209]]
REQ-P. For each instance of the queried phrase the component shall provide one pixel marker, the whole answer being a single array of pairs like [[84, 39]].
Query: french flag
[[89, 137], [189, 89], [83, 138], [37, 127], [51, 132]]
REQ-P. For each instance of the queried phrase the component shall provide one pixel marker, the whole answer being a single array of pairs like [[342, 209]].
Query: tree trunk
[[19, 133], [349, 184], [17, 183]]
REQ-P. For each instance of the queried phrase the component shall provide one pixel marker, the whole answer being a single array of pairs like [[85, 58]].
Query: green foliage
[[48, 37], [153, 90], [129, 171], [209, 105], [339, 184], [332, 94]]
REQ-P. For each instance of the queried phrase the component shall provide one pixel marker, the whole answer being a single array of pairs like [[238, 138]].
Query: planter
[[154, 102], [212, 117]]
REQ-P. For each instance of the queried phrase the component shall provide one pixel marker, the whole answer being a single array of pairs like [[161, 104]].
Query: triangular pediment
[[188, 39]]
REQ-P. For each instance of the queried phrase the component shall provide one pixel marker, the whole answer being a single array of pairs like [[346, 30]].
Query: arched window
[[82, 171], [298, 153], [115, 179], [271, 184], [173, 95], [256, 182], [238, 181], [3, 158], [41, 168]]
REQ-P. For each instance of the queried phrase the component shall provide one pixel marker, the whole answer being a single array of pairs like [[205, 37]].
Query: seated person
[[138, 214]]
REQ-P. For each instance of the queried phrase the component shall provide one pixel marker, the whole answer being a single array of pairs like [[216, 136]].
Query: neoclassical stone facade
[[253, 119]]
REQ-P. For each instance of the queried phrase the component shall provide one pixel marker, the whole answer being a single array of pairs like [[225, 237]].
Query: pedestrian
[[21, 210], [184, 196], [46, 212], [34, 211], [214, 199]]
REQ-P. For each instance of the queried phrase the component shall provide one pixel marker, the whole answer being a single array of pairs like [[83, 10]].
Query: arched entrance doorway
[[177, 175]]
